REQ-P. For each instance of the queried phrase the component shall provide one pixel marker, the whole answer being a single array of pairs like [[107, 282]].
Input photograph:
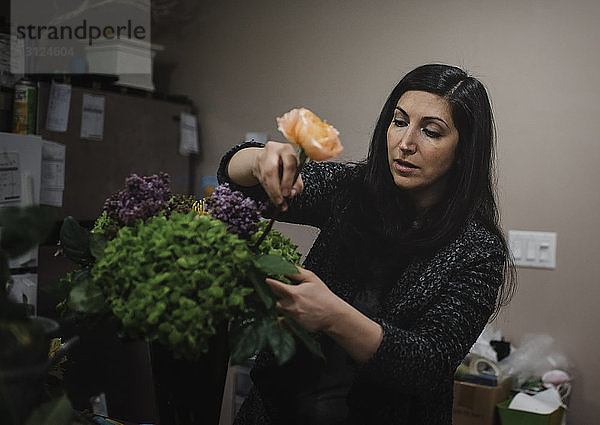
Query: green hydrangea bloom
[[174, 281]]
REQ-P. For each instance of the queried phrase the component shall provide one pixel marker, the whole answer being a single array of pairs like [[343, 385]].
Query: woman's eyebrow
[[428, 118], [402, 111]]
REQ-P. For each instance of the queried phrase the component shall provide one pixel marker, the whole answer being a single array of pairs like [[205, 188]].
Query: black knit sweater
[[436, 308]]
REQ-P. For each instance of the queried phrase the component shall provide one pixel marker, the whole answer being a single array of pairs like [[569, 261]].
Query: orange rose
[[303, 128]]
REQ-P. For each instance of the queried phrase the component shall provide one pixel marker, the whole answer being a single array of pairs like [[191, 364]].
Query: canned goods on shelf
[[25, 107]]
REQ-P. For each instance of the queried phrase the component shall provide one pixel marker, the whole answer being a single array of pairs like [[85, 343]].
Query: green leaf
[[275, 264], [80, 276], [63, 287], [261, 287], [281, 342], [55, 412], [304, 335], [97, 245], [75, 241], [245, 341], [85, 296], [25, 227]]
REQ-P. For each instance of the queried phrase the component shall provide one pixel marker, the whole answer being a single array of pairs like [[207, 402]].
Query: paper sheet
[[543, 403], [53, 165], [53, 173], [57, 117], [92, 117], [10, 178], [188, 131], [52, 197]]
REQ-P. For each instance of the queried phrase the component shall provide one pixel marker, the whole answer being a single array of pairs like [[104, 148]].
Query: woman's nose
[[408, 143]]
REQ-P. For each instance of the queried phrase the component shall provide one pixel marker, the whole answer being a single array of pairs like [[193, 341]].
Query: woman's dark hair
[[470, 191]]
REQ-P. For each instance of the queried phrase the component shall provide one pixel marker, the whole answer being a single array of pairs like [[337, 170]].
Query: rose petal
[[288, 124]]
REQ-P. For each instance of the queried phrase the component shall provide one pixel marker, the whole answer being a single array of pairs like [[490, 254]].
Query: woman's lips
[[404, 166]]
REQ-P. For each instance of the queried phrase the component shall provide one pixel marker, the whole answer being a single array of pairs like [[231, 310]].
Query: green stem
[[302, 158]]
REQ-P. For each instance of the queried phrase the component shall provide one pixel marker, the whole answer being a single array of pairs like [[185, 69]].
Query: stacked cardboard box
[[475, 404]]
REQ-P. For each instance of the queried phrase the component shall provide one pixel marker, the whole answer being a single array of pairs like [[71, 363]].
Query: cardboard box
[[476, 404], [520, 417]]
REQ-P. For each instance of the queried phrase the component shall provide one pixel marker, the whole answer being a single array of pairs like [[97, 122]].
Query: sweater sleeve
[[421, 358], [315, 204]]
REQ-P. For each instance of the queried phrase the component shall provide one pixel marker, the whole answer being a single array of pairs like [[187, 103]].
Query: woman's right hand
[[275, 167]]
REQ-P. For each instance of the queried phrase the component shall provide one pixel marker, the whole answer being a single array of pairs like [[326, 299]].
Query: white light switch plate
[[533, 249]]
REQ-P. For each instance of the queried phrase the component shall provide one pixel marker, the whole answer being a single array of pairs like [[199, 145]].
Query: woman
[[408, 267]]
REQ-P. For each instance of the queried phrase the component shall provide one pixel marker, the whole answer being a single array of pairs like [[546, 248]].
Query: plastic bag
[[482, 346], [535, 356]]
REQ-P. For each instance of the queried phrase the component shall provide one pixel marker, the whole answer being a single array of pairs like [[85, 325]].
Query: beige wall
[[244, 63]]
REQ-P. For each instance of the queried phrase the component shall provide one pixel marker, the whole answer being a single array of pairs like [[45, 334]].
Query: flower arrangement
[[175, 271]]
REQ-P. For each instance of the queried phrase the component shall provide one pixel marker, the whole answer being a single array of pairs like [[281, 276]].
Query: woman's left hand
[[310, 302], [313, 304]]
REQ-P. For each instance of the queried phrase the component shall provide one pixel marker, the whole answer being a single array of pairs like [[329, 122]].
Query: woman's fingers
[[275, 168], [271, 181], [266, 170], [289, 167], [303, 275], [298, 186], [286, 292], [285, 297], [279, 288], [310, 301]]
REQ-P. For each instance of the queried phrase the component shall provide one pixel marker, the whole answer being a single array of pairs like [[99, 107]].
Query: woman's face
[[421, 142]]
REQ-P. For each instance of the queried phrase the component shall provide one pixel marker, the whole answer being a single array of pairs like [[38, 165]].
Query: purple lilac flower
[[142, 197], [240, 213]]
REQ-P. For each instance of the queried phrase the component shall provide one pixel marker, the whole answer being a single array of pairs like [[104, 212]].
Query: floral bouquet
[[174, 270]]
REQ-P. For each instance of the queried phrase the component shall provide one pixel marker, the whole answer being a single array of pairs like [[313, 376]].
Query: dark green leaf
[[80, 276], [281, 342], [245, 342], [275, 264], [75, 241], [265, 326], [62, 288], [55, 412], [97, 244], [85, 296], [25, 227], [304, 335], [262, 289]]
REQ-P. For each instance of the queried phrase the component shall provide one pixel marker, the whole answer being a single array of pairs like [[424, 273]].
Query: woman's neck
[[424, 200]]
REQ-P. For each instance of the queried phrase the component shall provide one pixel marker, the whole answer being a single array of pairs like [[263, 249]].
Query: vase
[[189, 392]]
